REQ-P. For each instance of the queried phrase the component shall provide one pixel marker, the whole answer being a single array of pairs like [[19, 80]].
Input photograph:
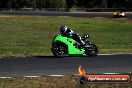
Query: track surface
[[41, 66], [77, 14]]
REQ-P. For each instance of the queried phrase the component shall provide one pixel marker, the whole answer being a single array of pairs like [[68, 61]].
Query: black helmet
[[63, 29]]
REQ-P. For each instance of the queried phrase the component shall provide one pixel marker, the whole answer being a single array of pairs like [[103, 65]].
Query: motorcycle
[[64, 46], [118, 14]]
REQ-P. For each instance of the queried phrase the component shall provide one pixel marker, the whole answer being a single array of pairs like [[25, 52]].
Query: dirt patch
[[7, 17], [54, 82], [129, 22]]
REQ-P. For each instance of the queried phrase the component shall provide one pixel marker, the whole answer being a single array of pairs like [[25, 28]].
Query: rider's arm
[[70, 32]]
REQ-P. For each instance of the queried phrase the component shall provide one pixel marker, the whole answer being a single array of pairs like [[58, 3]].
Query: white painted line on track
[[114, 54], [106, 54], [31, 76], [56, 75], [101, 54], [6, 77], [52, 76], [110, 73]]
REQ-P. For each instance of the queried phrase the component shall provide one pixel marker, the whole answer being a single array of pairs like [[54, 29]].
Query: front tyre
[[59, 50]]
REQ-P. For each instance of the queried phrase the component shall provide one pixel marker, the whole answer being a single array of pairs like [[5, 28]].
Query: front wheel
[[92, 50], [59, 50]]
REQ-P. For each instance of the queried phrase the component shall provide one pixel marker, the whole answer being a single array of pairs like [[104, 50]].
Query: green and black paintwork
[[64, 46]]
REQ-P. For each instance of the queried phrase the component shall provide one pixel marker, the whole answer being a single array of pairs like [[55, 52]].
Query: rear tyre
[[59, 49]]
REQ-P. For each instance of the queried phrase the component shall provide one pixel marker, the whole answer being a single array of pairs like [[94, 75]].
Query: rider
[[67, 32]]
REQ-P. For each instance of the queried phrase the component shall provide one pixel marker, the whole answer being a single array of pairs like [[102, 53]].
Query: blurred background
[[66, 5]]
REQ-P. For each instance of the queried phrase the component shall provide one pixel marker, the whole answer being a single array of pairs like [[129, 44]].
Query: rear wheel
[[59, 49]]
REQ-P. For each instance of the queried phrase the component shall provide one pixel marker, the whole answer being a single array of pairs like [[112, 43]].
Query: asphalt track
[[49, 65], [76, 14]]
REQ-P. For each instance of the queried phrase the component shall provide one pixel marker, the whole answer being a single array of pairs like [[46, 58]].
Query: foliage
[[65, 3]]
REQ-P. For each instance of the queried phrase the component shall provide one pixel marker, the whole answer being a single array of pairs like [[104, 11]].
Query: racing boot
[[81, 46]]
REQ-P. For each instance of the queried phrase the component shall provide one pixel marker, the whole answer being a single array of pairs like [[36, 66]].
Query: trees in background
[[66, 3], [32, 3], [70, 4], [55, 3]]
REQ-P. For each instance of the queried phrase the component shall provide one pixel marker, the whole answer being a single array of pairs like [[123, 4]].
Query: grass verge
[[55, 82], [32, 35]]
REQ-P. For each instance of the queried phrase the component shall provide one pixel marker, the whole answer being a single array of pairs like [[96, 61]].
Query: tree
[[85, 3], [66, 3], [104, 3], [4, 3], [70, 4], [117, 4], [55, 3]]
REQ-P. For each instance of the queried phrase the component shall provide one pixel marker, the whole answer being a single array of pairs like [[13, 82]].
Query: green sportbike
[[64, 46]]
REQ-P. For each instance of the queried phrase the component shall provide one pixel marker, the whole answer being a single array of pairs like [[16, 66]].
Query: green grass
[[32, 35], [55, 82]]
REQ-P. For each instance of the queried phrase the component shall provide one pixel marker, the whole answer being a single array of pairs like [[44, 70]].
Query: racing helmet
[[63, 29]]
